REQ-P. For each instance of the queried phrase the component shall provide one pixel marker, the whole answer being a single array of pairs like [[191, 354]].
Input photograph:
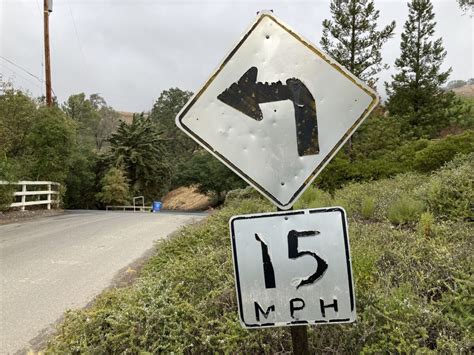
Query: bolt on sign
[[276, 110], [293, 268]]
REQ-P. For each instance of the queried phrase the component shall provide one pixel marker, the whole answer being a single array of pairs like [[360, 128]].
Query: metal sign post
[[299, 340], [299, 336]]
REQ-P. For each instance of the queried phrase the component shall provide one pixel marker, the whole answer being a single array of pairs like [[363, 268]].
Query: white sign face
[[293, 268], [276, 110]]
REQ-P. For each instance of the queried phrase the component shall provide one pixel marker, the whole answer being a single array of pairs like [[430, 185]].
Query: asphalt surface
[[57, 263]]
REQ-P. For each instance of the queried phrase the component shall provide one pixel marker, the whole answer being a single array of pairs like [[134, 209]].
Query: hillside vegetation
[[411, 243]]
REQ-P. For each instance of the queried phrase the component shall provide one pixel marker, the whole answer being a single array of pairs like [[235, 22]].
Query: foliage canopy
[[139, 149], [208, 173], [115, 189]]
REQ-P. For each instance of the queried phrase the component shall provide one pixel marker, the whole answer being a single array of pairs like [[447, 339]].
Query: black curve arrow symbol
[[246, 95]]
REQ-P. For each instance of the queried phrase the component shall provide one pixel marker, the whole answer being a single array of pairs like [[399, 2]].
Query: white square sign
[[293, 268], [276, 110]]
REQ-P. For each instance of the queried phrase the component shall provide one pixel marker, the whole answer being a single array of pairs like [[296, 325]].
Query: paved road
[[62, 262]]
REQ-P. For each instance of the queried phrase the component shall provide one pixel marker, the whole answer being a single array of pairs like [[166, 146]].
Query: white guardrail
[[135, 207], [34, 197], [129, 208]]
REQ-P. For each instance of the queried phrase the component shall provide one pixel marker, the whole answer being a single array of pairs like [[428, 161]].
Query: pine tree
[[416, 93], [163, 113], [352, 38], [115, 189], [467, 6]]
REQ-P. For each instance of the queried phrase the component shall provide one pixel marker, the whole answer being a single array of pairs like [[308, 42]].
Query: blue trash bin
[[156, 206]]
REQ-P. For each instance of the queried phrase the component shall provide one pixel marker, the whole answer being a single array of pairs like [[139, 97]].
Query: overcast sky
[[131, 50]]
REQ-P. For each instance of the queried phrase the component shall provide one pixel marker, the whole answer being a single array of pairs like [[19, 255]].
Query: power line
[[25, 70], [26, 79], [22, 77], [75, 31], [15, 73], [37, 5]]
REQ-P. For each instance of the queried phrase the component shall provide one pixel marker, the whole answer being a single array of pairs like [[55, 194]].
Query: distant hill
[[126, 116], [465, 91]]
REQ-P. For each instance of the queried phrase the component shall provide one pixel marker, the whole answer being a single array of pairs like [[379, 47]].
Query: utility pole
[[47, 8]]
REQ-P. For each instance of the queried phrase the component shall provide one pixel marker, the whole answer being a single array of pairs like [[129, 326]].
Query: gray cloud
[[131, 50]]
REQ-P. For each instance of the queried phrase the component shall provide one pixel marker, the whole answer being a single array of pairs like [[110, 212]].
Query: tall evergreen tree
[[82, 111], [163, 113], [416, 92], [466, 6], [139, 149], [352, 38]]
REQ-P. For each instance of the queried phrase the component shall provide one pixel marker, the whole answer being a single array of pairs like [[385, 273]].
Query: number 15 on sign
[[293, 268]]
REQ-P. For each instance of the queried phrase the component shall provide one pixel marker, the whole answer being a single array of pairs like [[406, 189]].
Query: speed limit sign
[[293, 268]]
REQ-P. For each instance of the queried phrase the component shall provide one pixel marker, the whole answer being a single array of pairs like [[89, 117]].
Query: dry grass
[[465, 91], [186, 198]]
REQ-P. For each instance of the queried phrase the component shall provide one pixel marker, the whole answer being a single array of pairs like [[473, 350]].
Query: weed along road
[[53, 264]]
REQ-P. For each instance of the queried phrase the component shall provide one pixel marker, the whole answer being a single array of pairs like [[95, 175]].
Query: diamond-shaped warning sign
[[276, 110]]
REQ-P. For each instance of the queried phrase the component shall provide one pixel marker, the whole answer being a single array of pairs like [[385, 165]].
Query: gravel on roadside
[[19, 216]]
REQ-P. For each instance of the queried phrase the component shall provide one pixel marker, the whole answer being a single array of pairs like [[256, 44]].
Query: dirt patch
[[465, 91], [186, 199], [20, 216], [127, 117]]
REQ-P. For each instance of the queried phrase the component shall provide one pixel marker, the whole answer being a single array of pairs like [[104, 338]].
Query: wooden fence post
[[23, 197], [49, 197]]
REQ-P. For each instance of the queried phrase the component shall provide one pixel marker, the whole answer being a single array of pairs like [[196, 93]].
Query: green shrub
[[449, 193], [208, 173], [115, 188], [395, 161], [437, 153], [6, 196], [367, 207], [314, 198], [235, 196], [420, 155], [412, 295], [6, 191], [335, 174], [378, 135], [81, 180], [466, 118], [51, 142], [356, 196], [425, 224], [405, 210]]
